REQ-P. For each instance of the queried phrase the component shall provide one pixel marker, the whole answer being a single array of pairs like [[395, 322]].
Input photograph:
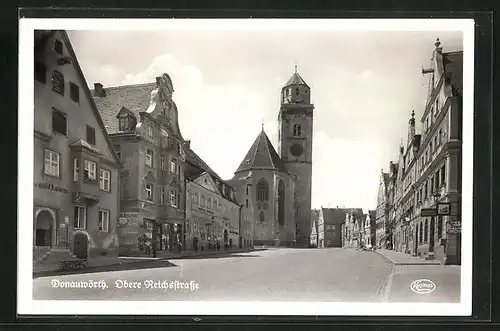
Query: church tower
[[295, 148]]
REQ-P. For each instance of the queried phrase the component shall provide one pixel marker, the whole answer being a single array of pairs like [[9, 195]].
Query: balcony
[[86, 191]]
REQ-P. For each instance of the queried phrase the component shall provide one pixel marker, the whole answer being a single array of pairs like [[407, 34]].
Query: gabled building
[[354, 219], [142, 121], [213, 212], [439, 159], [271, 187], [76, 171], [381, 213], [369, 229], [314, 227], [330, 224]]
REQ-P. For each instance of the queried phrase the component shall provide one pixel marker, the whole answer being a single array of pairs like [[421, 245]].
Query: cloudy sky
[[363, 84]]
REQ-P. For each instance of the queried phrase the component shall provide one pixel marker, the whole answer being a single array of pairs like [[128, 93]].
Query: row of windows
[[174, 197], [423, 230], [60, 126], [433, 114], [432, 147], [80, 218], [433, 183], [52, 167], [58, 83], [204, 202], [174, 165]]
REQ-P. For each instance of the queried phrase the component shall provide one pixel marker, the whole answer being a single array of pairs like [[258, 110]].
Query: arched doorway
[[281, 203], [44, 228]]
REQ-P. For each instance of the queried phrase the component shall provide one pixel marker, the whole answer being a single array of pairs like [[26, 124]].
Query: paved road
[[272, 275]]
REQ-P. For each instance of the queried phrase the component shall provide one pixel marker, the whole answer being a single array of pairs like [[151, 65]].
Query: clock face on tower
[[296, 150]]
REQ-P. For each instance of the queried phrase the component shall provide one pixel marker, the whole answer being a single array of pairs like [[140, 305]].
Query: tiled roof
[[262, 155], [135, 98], [453, 64], [196, 167], [296, 79], [334, 215]]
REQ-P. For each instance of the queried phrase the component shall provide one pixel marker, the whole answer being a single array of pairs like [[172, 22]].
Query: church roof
[[262, 155], [296, 79]]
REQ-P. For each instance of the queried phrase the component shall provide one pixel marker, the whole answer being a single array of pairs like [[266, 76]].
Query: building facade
[[142, 121], [369, 229], [314, 227], [381, 213], [439, 161], [76, 171], [212, 214], [353, 228], [430, 166], [295, 149]]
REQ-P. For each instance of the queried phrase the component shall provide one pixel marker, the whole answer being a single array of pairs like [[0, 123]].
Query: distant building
[[370, 229], [212, 215], [382, 211], [76, 171], [314, 227], [330, 226], [352, 230]]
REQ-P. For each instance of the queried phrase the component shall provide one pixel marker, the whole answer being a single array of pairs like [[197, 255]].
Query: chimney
[[158, 80], [187, 143], [99, 91]]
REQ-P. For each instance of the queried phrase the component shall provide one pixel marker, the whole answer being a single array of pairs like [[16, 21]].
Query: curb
[[406, 263]]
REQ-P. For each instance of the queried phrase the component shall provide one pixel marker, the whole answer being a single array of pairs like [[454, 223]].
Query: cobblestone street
[[332, 274]]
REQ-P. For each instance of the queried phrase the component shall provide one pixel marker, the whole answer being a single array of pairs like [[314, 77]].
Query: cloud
[[345, 171], [364, 86]]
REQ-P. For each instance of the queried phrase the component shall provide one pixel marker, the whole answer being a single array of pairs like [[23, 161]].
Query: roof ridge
[[125, 85], [259, 137], [268, 150]]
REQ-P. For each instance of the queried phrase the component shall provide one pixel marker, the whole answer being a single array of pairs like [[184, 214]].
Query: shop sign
[[444, 208], [51, 187], [427, 212]]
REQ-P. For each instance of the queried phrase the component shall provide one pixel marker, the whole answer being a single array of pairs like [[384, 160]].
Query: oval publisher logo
[[422, 286]]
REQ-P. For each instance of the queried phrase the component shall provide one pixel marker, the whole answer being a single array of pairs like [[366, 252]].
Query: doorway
[[44, 229]]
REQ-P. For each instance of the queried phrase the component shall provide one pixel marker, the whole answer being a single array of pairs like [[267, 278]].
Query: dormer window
[[124, 123]]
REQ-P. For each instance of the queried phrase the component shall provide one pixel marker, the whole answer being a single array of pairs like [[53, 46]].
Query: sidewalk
[[114, 263], [399, 258]]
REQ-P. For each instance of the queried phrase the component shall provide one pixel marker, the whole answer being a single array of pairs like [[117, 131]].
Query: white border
[[26, 305]]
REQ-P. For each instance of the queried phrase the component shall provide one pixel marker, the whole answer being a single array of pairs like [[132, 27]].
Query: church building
[[277, 187]]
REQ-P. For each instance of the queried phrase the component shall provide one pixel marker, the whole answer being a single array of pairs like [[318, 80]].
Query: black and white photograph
[[245, 166]]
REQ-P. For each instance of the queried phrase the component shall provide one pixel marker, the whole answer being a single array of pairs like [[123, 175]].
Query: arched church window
[[261, 216], [297, 91], [262, 190], [297, 130]]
